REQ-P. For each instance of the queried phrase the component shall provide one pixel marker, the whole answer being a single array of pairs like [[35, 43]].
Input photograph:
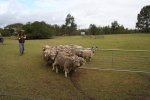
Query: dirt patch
[[73, 78]]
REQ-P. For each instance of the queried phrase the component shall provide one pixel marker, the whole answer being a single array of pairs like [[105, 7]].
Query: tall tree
[[93, 29], [70, 25], [143, 19], [114, 27]]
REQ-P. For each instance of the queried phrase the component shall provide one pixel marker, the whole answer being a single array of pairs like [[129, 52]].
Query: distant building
[[82, 33]]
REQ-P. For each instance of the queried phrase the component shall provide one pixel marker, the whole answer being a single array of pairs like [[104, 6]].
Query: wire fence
[[120, 60]]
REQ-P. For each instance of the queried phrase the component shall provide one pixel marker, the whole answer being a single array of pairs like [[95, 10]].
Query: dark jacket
[[21, 37]]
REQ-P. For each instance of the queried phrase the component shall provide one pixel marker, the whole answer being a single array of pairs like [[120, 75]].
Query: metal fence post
[[112, 59]]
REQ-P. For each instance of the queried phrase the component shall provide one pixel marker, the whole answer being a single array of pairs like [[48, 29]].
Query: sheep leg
[[65, 74], [66, 71], [53, 66], [57, 69]]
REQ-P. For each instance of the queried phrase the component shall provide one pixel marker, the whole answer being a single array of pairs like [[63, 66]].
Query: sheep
[[87, 54], [67, 62]]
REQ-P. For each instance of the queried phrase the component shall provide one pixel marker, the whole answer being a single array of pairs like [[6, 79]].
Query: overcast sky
[[85, 12]]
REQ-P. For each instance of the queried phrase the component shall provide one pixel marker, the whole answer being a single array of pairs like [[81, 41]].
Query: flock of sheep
[[67, 57]]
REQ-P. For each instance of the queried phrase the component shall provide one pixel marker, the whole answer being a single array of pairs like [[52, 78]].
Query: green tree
[[93, 29], [70, 25], [143, 19], [121, 29], [56, 29], [107, 30], [62, 30], [37, 30], [12, 29], [114, 27], [5, 32], [100, 30]]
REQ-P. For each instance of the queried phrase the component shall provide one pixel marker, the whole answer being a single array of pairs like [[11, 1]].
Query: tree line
[[41, 30], [38, 30]]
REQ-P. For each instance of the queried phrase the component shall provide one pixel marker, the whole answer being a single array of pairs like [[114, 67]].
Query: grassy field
[[26, 77]]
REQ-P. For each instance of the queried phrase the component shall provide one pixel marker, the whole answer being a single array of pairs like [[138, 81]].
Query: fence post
[[112, 59]]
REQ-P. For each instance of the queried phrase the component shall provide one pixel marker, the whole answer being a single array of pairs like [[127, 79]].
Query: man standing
[[21, 37]]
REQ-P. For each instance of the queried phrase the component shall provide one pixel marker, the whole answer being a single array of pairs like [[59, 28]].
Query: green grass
[[26, 76]]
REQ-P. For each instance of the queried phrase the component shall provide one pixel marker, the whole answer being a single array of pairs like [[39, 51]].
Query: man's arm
[[24, 37]]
